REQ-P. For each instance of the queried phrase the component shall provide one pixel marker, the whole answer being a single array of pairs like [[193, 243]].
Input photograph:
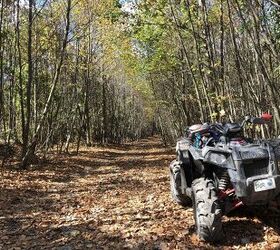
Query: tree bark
[[1, 63], [30, 79], [31, 148]]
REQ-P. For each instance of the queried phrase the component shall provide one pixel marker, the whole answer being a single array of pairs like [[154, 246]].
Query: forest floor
[[113, 197]]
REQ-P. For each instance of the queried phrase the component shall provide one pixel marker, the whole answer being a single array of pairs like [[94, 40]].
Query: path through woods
[[114, 197]]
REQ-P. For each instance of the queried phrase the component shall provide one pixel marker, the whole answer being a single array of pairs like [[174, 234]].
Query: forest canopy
[[95, 71]]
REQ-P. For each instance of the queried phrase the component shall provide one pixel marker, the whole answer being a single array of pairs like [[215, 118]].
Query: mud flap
[[182, 148], [183, 181], [179, 177]]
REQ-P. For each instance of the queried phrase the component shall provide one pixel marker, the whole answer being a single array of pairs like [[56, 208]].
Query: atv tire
[[176, 192], [207, 213]]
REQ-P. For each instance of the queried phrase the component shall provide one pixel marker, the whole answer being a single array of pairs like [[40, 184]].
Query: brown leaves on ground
[[114, 197]]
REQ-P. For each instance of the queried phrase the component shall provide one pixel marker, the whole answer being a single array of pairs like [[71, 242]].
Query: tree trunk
[[30, 79], [1, 64], [31, 148]]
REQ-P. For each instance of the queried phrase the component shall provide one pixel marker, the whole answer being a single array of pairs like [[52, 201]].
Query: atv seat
[[232, 128], [199, 128]]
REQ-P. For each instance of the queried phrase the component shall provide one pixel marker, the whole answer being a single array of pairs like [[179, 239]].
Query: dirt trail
[[114, 197]]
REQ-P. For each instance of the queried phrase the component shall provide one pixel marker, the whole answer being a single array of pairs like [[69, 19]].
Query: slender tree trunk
[[32, 146], [104, 112], [222, 62], [1, 64], [29, 80], [202, 115], [86, 103], [273, 91], [20, 78], [237, 59]]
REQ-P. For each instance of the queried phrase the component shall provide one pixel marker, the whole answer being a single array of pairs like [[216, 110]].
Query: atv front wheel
[[175, 186], [207, 213]]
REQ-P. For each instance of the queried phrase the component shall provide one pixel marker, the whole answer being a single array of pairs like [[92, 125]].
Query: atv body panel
[[246, 164], [223, 170]]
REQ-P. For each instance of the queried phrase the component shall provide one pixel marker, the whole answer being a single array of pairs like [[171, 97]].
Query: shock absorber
[[227, 193], [224, 181]]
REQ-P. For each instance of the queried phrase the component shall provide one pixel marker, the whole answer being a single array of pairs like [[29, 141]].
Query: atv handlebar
[[220, 128], [265, 118]]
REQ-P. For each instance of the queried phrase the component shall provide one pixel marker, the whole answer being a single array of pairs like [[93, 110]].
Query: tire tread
[[207, 213]]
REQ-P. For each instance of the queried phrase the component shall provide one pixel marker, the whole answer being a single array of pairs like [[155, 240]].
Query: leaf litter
[[113, 197]]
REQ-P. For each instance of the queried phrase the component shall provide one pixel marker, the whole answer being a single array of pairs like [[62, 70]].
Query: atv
[[218, 169]]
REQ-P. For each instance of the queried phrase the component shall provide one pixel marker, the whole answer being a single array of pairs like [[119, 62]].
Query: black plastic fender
[[182, 148], [181, 191]]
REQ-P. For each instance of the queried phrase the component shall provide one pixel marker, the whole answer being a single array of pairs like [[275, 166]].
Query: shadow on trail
[[83, 236], [15, 202], [111, 155], [252, 223], [68, 168], [252, 232]]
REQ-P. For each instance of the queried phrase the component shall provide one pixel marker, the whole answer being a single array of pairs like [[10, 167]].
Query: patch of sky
[[39, 3]]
